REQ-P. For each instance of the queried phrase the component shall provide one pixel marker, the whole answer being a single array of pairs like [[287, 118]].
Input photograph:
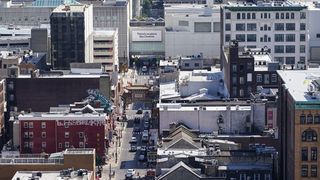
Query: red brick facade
[[51, 136]]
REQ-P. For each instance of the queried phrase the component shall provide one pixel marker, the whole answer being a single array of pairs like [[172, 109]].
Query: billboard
[[143, 35]]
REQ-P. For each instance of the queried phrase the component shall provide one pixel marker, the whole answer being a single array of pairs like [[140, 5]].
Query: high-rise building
[[71, 31], [299, 114], [282, 27]]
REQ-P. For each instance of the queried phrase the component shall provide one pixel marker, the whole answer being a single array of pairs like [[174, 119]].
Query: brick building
[[54, 132]]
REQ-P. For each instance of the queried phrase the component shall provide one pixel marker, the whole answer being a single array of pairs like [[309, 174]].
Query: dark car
[[136, 129], [136, 120], [139, 111]]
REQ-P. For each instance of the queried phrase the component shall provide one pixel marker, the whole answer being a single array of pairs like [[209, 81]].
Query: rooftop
[[104, 32], [53, 175], [52, 3], [70, 8], [179, 107], [298, 82], [61, 116], [265, 6]]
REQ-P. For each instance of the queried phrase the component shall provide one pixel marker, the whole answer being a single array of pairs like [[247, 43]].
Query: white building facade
[[314, 31], [231, 119], [192, 30], [280, 26]]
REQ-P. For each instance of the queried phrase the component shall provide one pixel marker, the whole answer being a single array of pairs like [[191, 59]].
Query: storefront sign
[[81, 123], [146, 36]]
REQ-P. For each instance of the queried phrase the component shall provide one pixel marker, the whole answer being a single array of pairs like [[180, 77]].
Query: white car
[[130, 173], [133, 139], [144, 69]]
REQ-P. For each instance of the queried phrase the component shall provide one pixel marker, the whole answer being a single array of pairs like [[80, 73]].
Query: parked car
[[136, 129], [144, 69], [133, 148], [143, 148], [133, 139], [130, 173], [146, 125], [139, 111]]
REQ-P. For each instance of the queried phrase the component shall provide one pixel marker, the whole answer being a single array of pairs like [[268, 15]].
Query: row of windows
[[282, 49], [310, 119], [287, 60], [265, 38], [30, 125], [288, 37], [266, 80], [266, 15], [253, 27], [44, 135], [309, 135], [284, 26], [207, 27], [44, 144], [305, 154], [305, 171]]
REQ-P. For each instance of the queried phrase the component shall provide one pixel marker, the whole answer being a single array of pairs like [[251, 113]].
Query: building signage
[[80, 123], [271, 117], [146, 36]]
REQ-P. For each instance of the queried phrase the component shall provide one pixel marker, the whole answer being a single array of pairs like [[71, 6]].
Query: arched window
[[309, 119], [309, 135], [292, 15], [277, 15]]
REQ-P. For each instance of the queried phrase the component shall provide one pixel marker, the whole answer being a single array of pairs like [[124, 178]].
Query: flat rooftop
[[70, 8], [266, 6], [179, 107], [62, 116], [50, 175], [297, 82]]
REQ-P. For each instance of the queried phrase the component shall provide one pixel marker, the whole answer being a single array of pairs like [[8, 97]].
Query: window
[[316, 119], [290, 60], [43, 134], [304, 171], [26, 144], [249, 65], [302, 15], [282, 15], [26, 135], [66, 144], [228, 15], [266, 79], [227, 37], [302, 26], [290, 37], [81, 144], [81, 134], [265, 27], [304, 154], [186, 64], [183, 23], [314, 171], [228, 27], [251, 37], [279, 37], [241, 80], [241, 92], [318, 35], [241, 37], [274, 78], [302, 37], [216, 26], [249, 77], [309, 135], [314, 152], [243, 15], [30, 124], [66, 134], [253, 15], [234, 79], [290, 49], [290, 26], [234, 91], [278, 49], [31, 145], [196, 65], [241, 27], [248, 16], [302, 48], [43, 125], [259, 78], [287, 16], [238, 15], [25, 124], [303, 119], [30, 134], [277, 15], [60, 145], [43, 144], [279, 26], [265, 15], [251, 27], [66, 124], [202, 27], [292, 15]]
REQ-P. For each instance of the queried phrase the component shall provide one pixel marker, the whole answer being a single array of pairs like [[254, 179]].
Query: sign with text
[[146, 36], [67, 123]]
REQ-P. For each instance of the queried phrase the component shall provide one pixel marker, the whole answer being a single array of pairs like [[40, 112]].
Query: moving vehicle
[[145, 136], [133, 148]]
